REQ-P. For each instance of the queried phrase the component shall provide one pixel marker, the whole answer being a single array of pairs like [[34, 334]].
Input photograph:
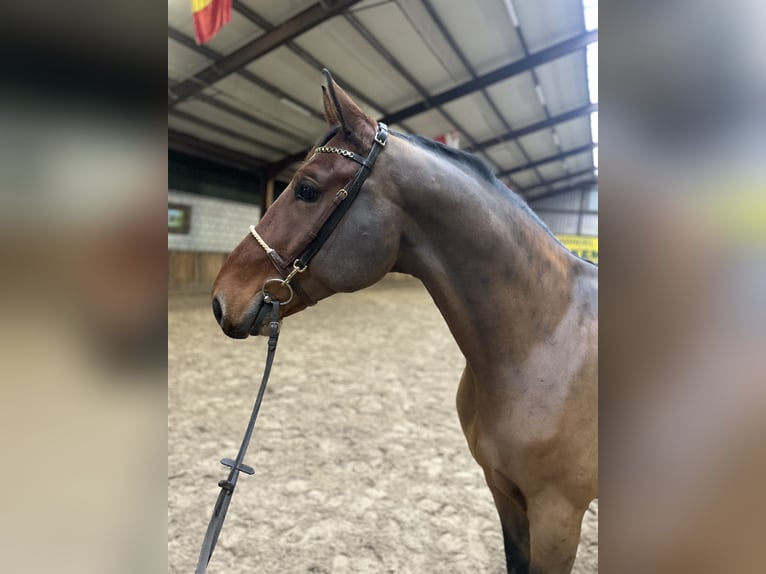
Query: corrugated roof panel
[[212, 136], [428, 31], [483, 30], [338, 46], [548, 22], [494, 115], [226, 120], [180, 15], [574, 133], [292, 75], [242, 93], [430, 124], [500, 157], [365, 5], [560, 223], [235, 34], [474, 114], [510, 151], [580, 161], [564, 82], [563, 201], [539, 144], [278, 12], [568, 182], [517, 156], [526, 178], [517, 100], [551, 170], [393, 30], [183, 62]]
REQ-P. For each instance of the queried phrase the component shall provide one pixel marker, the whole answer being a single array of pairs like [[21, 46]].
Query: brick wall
[[217, 226]]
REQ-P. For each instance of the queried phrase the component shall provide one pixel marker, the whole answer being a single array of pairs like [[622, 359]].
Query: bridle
[[325, 224]]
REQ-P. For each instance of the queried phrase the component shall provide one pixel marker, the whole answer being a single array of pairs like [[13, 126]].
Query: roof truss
[[554, 52], [557, 157], [200, 148], [263, 44], [526, 191]]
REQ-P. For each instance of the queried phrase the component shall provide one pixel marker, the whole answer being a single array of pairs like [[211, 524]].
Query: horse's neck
[[497, 276]]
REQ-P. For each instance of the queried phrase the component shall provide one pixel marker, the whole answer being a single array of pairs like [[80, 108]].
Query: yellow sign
[[585, 247]]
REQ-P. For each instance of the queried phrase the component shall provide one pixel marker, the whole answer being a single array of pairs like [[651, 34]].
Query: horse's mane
[[458, 156], [480, 168], [475, 165]]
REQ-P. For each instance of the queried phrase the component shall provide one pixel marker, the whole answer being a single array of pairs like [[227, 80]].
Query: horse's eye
[[306, 192]]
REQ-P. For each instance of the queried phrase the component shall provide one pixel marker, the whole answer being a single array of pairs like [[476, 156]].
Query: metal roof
[[509, 76]]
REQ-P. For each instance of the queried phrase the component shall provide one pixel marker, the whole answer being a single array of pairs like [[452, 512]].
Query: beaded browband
[[342, 202]]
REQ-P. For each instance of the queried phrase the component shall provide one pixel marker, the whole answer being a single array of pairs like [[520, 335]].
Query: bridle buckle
[[384, 132]]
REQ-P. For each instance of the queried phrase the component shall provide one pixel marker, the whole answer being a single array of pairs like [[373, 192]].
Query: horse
[[522, 308]]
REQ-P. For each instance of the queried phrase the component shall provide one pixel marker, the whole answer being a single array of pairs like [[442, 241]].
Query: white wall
[[554, 211], [560, 223], [216, 224]]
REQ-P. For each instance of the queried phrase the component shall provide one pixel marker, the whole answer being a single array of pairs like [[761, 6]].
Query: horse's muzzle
[[255, 321]]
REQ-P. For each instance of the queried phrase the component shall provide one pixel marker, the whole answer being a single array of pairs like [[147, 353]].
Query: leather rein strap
[[237, 465], [341, 204]]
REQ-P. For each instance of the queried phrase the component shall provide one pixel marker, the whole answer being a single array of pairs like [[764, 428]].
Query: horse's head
[[352, 255]]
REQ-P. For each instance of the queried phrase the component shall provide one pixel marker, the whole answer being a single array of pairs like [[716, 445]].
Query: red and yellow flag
[[209, 17]]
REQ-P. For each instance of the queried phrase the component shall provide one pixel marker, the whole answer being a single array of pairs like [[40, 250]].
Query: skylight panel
[[591, 14]]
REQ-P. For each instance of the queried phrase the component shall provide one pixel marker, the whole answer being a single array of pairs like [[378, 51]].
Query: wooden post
[[269, 194]]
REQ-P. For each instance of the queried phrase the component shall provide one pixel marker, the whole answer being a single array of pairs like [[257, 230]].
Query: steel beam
[[226, 131], [537, 59], [547, 55], [293, 27], [402, 71], [525, 192], [550, 158], [586, 185], [453, 45], [258, 20], [191, 145], [246, 74], [234, 111], [541, 125]]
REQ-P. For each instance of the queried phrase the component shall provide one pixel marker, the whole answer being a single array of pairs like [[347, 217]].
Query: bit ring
[[272, 297]]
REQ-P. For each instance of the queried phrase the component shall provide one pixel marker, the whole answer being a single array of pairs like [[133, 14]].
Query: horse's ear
[[341, 109], [329, 110]]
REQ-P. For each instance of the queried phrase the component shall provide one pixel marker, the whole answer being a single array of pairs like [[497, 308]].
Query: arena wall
[[573, 213], [216, 226]]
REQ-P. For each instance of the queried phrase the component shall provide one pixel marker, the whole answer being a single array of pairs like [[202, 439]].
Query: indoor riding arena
[[361, 464]]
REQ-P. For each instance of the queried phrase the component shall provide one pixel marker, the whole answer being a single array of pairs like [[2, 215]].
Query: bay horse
[[522, 309]]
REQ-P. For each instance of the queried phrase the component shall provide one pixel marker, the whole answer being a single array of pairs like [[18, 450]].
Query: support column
[[269, 194]]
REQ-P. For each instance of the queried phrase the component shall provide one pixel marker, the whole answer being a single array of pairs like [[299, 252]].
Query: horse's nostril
[[217, 311]]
